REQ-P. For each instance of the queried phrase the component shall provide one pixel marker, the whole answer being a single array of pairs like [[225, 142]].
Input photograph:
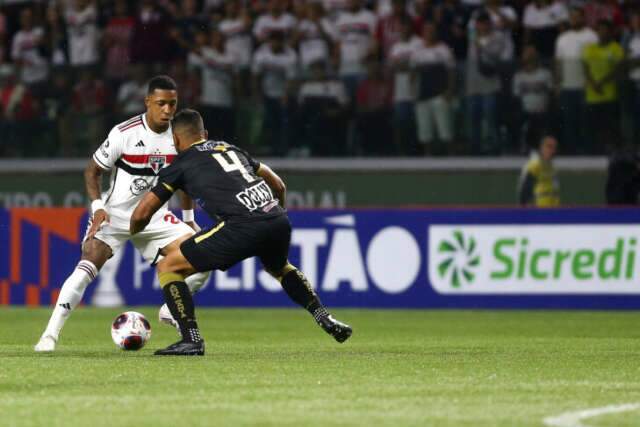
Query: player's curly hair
[[162, 82]]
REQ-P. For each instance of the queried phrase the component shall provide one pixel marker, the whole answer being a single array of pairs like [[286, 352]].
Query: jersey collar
[[198, 142]]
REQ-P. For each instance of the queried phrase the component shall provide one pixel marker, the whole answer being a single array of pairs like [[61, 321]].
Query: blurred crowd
[[327, 77]]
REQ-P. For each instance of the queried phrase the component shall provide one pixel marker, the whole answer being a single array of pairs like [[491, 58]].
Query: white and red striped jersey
[[267, 23], [355, 33], [135, 155]]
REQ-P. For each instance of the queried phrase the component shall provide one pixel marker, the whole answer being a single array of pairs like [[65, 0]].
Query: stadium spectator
[[542, 19], [433, 67], [26, 52], [187, 23], [623, 177], [538, 185], [391, 28], [632, 50], [603, 10], [571, 81], [56, 101], [471, 5], [189, 83], [277, 19], [322, 111], [383, 8], [373, 107], [89, 102], [18, 109], [602, 63], [55, 36], [312, 37], [236, 28], [533, 86], [274, 68], [150, 36], [334, 7], [82, 28], [504, 20], [355, 29], [426, 11], [131, 93], [403, 92], [452, 20], [214, 6], [488, 50], [117, 40], [218, 81]]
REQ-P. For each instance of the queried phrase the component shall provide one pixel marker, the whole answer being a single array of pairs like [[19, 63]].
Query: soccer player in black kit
[[237, 191]]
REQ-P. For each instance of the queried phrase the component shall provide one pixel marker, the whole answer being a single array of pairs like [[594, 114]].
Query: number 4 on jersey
[[231, 163]]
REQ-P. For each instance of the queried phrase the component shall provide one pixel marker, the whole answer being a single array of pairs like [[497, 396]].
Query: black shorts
[[226, 244]]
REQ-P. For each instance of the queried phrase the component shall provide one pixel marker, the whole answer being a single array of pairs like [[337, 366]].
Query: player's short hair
[[161, 82], [187, 120]]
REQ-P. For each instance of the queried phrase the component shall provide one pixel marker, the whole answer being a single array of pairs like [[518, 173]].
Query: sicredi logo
[[538, 259], [459, 259]]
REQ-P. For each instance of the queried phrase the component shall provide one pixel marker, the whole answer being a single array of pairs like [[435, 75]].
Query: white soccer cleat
[[46, 344], [164, 315]]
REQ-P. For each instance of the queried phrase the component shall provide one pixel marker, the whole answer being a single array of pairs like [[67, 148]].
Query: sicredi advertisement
[[545, 259]]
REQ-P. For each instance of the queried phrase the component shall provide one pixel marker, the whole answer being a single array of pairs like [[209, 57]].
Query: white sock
[[70, 296], [196, 281]]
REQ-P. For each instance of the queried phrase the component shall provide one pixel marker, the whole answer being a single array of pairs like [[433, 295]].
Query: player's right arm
[[274, 181], [103, 160], [99, 215]]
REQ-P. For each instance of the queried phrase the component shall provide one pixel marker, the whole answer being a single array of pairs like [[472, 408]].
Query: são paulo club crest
[[157, 162]]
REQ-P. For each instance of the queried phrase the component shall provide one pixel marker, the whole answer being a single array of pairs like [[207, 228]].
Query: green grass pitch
[[276, 368]]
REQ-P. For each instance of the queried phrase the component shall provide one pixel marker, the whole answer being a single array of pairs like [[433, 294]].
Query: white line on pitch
[[572, 419]]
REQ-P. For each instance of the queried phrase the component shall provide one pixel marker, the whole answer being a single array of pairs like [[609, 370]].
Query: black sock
[[296, 285], [180, 303]]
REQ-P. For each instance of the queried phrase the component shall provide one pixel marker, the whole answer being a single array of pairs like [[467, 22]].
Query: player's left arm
[[274, 181], [148, 206]]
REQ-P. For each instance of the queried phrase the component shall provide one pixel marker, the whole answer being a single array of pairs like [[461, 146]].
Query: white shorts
[[431, 115], [163, 229]]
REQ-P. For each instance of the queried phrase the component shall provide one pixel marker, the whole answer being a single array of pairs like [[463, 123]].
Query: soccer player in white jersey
[[135, 151]]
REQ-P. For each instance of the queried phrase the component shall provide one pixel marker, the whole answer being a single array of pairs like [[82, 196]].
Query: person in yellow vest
[[602, 64], [538, 184]]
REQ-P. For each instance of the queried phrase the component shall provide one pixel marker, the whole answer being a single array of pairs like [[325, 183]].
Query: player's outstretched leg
[[180, 304], [195, 282], [299, 290], [94, 254], [69, 297]]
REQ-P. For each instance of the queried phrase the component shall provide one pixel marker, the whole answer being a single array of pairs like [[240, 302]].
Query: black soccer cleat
[[340, 331], [183, 348]]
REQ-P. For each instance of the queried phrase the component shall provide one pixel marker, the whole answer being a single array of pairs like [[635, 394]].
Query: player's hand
[[193, 225], [99, 218]]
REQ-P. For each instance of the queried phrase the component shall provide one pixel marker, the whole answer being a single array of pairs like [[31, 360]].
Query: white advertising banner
[[534, 259]]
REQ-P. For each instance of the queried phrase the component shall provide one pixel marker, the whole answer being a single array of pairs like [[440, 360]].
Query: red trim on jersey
[[132, 125], [130, 121], [143, 159]]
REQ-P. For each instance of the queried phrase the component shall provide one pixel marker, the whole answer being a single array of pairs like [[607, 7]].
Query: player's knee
[[96, 251], [279, 273], [166, 265]]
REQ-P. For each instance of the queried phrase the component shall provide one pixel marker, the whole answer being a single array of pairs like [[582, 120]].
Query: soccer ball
[[130, 330]]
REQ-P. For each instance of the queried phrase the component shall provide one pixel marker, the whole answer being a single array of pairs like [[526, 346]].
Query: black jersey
[[222, 179]]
